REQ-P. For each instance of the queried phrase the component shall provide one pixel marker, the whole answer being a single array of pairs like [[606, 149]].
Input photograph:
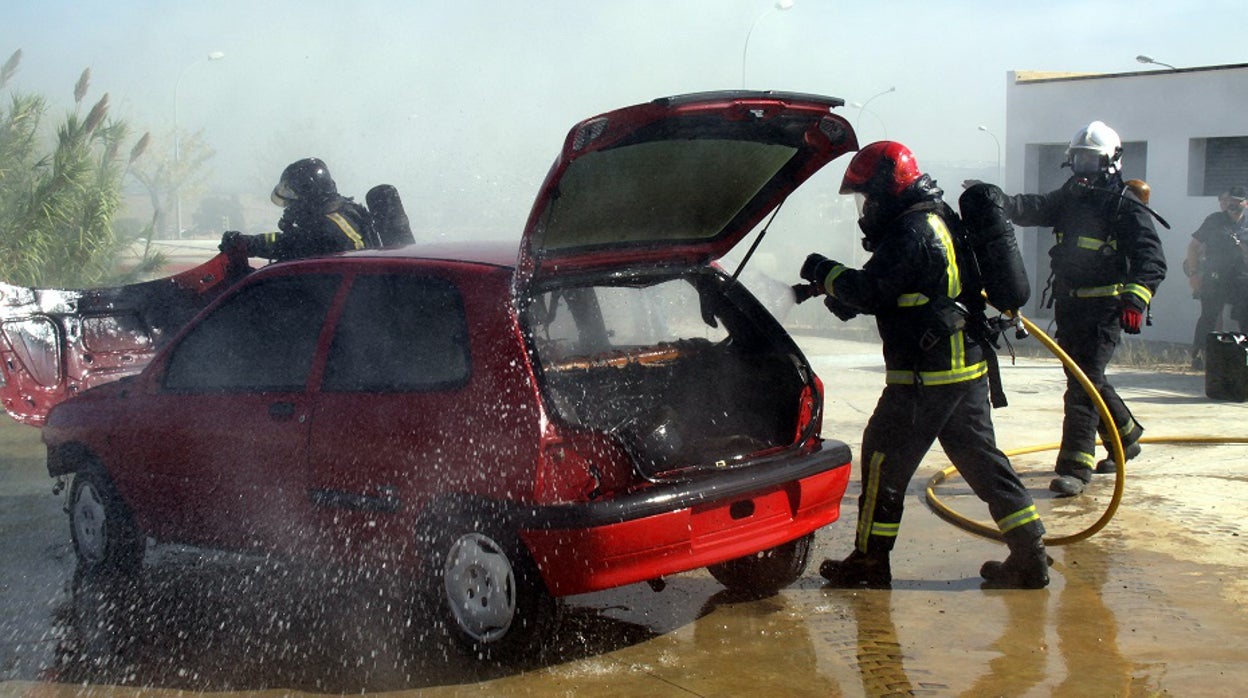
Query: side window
[[123, 332], [399, 333], [263, 338]]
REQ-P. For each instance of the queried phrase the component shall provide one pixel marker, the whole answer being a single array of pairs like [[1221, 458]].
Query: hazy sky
[[463, 104]]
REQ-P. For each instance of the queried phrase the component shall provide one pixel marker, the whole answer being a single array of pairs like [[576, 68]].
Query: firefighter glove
[[1132, 315], [840, 309], [816, 268], [233, 242]]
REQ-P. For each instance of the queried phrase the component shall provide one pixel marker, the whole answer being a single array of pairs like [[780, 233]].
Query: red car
[[605, 407]]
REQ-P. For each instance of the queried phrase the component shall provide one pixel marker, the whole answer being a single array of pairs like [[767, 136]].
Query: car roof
[[497, 253]]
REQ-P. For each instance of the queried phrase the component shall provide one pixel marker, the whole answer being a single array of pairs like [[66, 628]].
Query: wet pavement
[[1151, 605]]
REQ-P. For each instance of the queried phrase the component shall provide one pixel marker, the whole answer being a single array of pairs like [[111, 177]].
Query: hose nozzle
[[804, 292]]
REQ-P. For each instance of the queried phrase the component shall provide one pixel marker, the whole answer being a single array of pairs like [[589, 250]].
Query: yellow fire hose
[[990, 531]]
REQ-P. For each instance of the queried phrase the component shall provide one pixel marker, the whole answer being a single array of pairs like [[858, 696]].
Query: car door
[[398, 359], [410, 406], [222, 435]]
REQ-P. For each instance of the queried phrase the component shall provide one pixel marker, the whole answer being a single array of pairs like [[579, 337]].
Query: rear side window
[[399, 333], [115, 333], [262, 339]]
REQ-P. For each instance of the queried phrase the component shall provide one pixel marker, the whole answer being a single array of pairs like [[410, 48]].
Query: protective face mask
[[1085, 162]]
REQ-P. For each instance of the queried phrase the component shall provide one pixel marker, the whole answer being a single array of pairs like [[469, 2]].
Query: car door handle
[[282, 410]]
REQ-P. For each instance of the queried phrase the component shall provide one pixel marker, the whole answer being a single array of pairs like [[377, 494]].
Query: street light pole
[[1000, 174], [1147, 59], [177, 144], [863, 107], [781, 5], [860, 107]]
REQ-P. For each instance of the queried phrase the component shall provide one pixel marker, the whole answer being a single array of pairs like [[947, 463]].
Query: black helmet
[[305, 181]]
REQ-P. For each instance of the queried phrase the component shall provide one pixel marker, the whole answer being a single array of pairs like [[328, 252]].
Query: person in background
[[925, 293], [1217, 268], [1107, 263], [316, 219]]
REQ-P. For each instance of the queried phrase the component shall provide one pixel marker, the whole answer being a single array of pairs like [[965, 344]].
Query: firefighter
[[925, 296], [1107, 262], [316, 220]]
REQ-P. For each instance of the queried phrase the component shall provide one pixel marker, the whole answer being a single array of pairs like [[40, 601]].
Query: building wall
[[1162, 113]]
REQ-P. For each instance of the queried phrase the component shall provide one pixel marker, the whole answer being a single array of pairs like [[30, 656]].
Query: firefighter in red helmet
[[926, 297]]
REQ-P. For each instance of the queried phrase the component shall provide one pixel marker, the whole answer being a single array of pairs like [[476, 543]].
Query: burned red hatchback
[[603, 406]]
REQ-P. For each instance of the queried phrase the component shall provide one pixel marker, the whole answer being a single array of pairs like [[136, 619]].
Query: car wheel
[[766, 572], [488, 593], [105, 536]]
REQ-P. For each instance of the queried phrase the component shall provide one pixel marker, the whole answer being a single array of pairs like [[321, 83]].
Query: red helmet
[[883, 167]]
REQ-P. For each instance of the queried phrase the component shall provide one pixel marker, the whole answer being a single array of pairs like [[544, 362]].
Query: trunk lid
[[679, 180]]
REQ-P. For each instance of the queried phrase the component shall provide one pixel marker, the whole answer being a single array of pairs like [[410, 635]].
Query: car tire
[[766, 572], [487, 593], [106, 539]]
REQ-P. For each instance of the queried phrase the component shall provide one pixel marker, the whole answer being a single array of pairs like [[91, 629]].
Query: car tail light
[[809, 410]]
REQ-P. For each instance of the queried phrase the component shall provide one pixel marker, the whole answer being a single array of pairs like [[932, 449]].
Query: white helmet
[[1095, 148]]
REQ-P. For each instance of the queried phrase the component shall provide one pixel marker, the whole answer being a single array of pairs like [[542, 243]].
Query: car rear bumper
[[677, 527]]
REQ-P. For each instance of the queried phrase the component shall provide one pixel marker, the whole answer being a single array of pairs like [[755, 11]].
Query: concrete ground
[[1151, 605]]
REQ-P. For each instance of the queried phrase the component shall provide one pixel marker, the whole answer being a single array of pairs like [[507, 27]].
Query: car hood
[[677, 180]]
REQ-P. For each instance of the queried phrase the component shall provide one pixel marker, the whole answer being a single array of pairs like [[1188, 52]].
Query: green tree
[[164, 177], [58, 196]]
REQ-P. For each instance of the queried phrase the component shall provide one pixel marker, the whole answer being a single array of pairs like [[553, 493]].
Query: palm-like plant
[[57, 207]]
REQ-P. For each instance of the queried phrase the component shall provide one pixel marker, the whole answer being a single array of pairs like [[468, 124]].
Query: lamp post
[[1148, 59], [780, 5], [177, 144], [860, 107], [863, 107], [1000, 174]]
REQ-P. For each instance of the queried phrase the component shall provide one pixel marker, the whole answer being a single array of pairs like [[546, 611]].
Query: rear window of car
[[399, 333], [592, 319], [261, 339], [692, 190]]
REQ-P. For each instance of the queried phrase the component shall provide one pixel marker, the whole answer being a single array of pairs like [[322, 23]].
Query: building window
[[1217, 164]]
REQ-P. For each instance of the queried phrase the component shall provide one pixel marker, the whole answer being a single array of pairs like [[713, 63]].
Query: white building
[[1184, 131]]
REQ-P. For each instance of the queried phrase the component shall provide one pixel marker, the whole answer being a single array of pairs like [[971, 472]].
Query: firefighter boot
[[1108, 465], [1072, 477], [1067, 485], [1027, 567], [870, 570]]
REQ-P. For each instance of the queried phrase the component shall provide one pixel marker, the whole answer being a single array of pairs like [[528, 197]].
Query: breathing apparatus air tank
[[389, 218], [991, 238]]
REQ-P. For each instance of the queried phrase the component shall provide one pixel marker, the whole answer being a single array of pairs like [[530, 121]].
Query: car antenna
[[754, 246]]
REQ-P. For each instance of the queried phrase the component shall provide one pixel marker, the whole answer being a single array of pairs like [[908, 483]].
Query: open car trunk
[[683, 367]]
